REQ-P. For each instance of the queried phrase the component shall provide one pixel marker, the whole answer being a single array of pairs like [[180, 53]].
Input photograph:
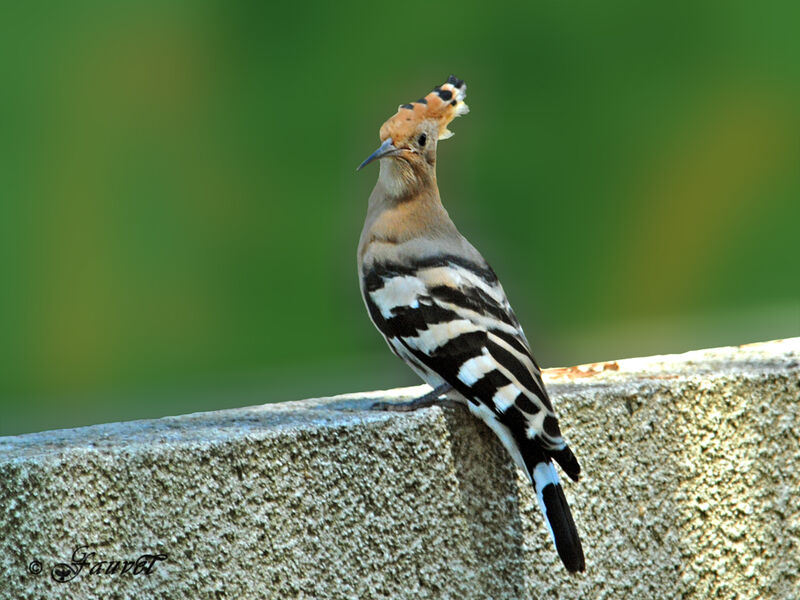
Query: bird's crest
[[443, 104]]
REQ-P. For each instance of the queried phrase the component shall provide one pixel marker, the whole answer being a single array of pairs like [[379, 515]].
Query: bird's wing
[[452, 316]]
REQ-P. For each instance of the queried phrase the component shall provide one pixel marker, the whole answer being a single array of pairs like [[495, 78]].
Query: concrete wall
[[691, 488]]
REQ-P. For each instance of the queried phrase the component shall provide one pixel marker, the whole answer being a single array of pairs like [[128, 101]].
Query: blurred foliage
[[181, 209]]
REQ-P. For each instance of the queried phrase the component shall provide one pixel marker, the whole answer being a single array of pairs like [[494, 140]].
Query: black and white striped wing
[[450, 320]]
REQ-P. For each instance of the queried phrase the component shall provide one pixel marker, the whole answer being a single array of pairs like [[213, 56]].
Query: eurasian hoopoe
[[442, 310]]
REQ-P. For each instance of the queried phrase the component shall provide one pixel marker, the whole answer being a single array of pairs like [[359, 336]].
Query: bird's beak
[[386, 147]]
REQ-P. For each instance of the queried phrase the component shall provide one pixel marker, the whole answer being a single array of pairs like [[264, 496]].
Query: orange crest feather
[[443, 104]]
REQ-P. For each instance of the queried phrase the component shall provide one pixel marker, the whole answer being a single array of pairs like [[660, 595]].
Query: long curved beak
[[386, 147]]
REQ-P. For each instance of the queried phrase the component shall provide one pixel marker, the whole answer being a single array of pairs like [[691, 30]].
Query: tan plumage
[[442, 310]]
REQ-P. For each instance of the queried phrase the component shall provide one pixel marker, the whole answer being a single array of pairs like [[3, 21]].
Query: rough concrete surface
[[691, 489]]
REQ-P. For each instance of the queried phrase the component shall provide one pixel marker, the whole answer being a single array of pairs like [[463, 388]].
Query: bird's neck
[[401, 181], [405, 204]]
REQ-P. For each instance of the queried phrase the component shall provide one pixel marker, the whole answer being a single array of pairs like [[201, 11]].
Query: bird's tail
[[557, 515]]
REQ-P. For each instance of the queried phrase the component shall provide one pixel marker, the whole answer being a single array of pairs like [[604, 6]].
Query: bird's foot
[[432, 398]]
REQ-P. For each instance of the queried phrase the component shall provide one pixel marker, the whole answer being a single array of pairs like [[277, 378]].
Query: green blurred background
[[180, 207]]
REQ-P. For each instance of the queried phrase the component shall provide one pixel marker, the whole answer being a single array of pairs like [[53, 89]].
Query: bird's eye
[[422, 139]]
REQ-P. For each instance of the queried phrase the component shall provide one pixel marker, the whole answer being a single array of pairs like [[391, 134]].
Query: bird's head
[[410, 136]]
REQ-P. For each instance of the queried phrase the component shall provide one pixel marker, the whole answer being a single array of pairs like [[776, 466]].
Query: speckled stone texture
[[691, 489]]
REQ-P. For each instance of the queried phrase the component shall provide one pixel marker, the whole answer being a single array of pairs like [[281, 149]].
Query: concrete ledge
[[692, 472]]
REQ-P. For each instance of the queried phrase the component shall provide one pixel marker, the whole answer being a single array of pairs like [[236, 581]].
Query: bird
[[442, 310]]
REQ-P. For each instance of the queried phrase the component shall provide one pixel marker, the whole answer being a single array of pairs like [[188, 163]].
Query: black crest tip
[[445, 95], [455, 81]]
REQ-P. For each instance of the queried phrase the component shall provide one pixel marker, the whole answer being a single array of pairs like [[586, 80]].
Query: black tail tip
[[565, 534], [573, 561]]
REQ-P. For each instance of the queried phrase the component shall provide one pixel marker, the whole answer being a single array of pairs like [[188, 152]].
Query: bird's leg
[[432, 398]]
